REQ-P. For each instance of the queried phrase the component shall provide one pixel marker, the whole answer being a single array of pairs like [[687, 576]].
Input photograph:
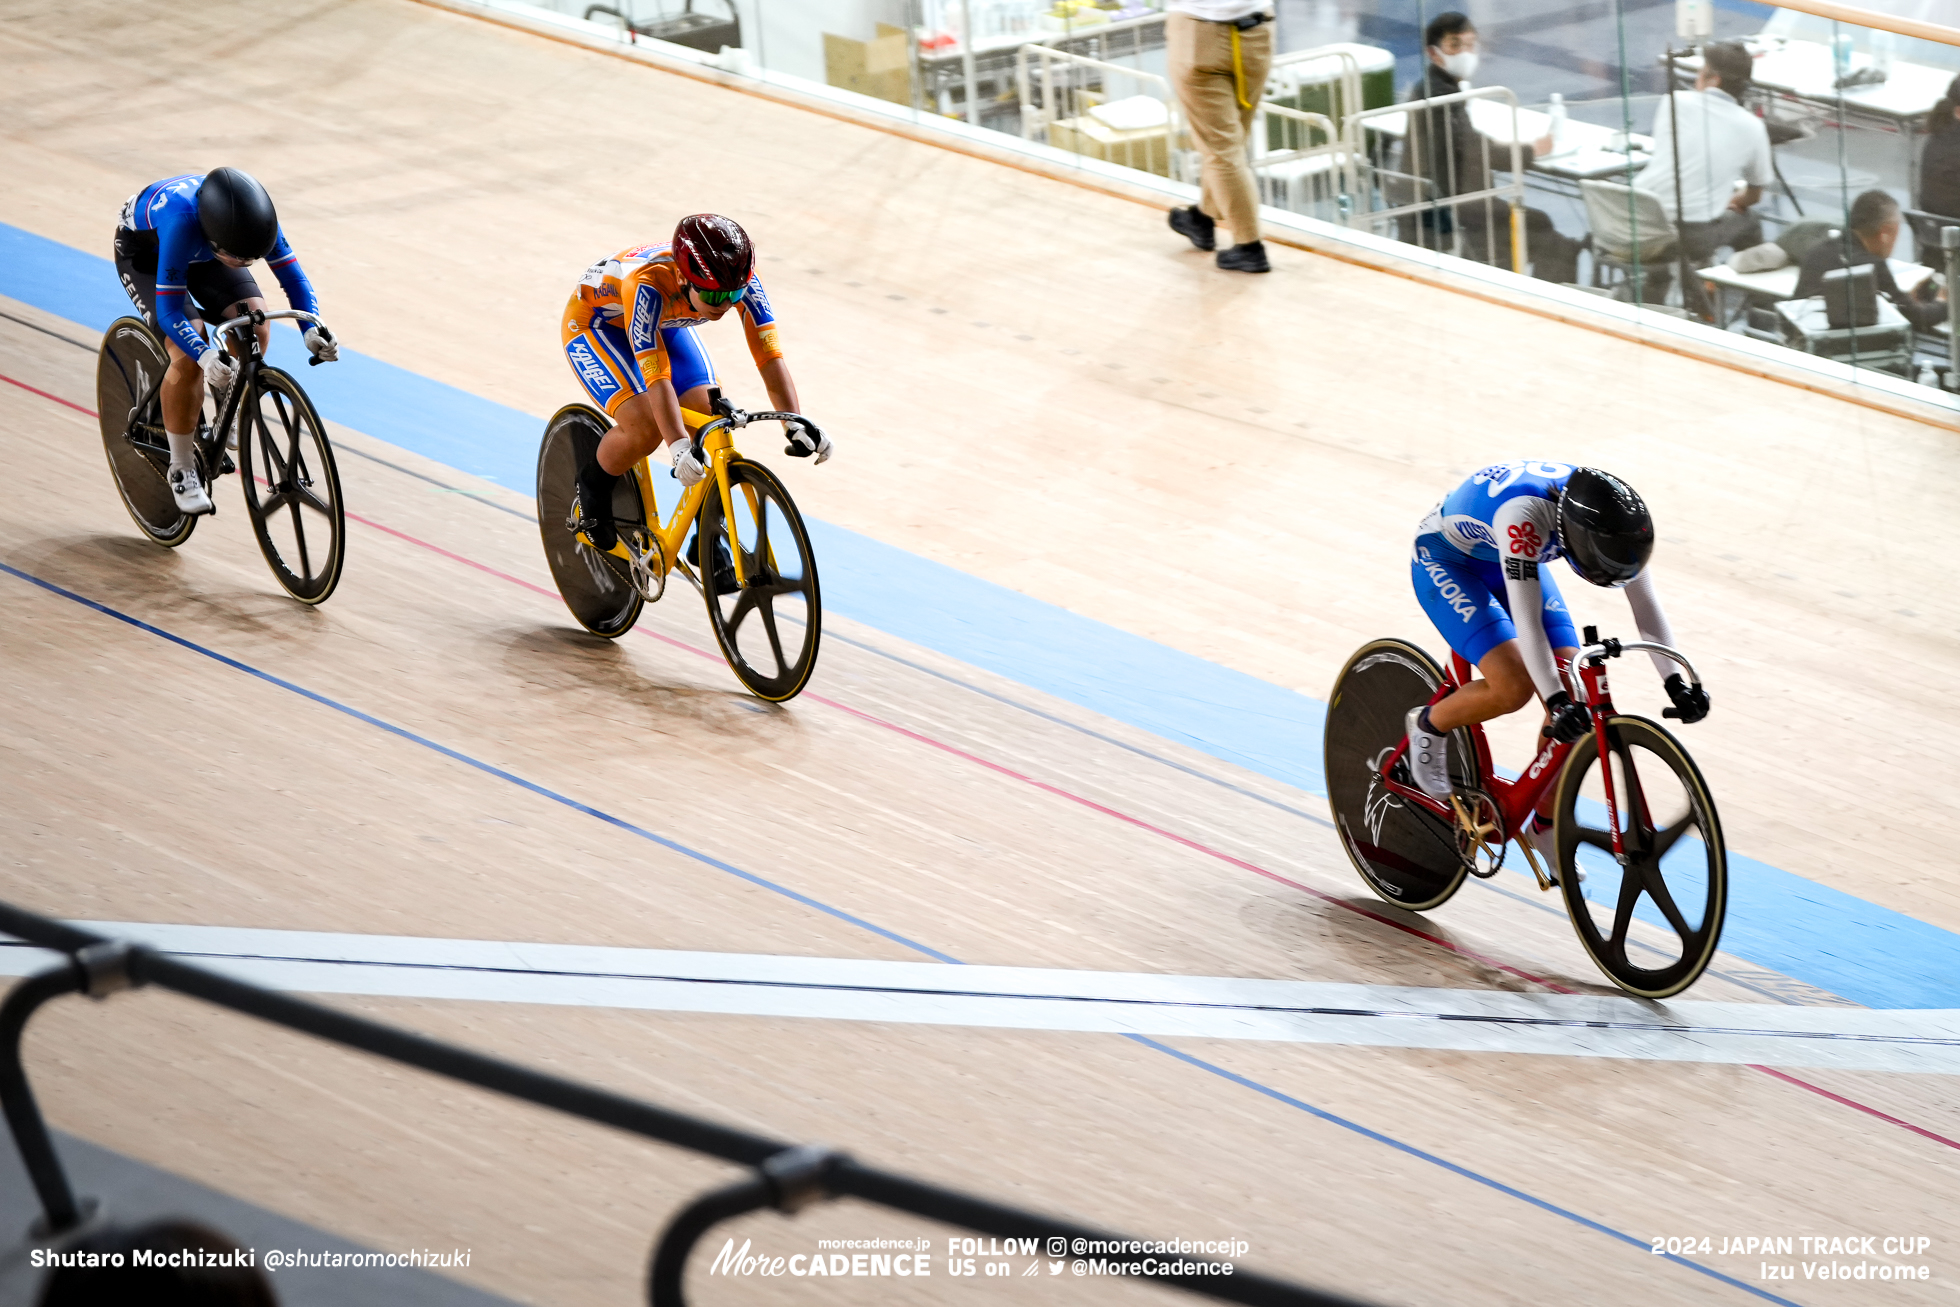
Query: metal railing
[[782, 1176], [1297, 174], [1060, 93], [1421, 198], [1344, 89]]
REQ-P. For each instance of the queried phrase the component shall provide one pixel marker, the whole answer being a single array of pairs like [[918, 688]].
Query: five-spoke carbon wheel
[[597, 587], [1652, 922], [127, 374], [1407, 854], [769, 626], [292, 488]]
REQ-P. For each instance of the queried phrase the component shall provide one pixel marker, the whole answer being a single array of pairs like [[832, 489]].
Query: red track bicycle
[[1630, 810]]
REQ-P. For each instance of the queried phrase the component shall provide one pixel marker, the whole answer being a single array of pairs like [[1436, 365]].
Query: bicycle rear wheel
[[292, 487], [769, 628], [130, 365], [598, 588], [1675, 881], [1407, 854]]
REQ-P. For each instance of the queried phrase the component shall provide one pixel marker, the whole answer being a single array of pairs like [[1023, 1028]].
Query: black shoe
[[592, 510], [721, 576], [1197, 225], [1250, 257]]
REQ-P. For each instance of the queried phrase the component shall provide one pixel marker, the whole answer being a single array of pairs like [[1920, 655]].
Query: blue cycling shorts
[[603, 359], [1465, 598]]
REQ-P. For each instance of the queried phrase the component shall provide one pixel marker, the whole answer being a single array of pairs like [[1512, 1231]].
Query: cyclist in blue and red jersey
[[1480, 573], [183, 250], [629, 336]]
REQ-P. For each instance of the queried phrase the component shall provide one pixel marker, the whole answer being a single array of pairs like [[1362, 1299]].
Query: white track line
[[1026, 998]]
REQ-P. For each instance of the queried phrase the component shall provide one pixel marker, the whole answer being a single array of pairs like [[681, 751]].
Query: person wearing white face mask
[[1444, 155]]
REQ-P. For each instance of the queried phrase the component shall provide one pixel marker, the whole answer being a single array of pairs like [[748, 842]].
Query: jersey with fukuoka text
[[169, 208], [641, 291], [1506, 515]]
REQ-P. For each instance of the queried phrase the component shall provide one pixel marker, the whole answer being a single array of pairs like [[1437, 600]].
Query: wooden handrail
[[1867, 18]]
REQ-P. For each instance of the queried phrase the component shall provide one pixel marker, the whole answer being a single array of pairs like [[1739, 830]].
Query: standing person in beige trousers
[[1219, 53]]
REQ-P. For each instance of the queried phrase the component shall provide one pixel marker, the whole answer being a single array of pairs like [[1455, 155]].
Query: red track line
[[1850, 1102], [1090, 804], [45, 395], [943, 747]]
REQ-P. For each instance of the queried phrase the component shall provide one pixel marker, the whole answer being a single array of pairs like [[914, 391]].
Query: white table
[[1781, 283], [1585, 150], [1804, 69]]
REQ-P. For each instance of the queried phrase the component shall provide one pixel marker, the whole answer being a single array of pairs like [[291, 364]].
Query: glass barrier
[[1818, 162]]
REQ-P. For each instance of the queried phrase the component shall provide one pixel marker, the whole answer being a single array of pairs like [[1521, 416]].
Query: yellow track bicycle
[[750, 558]]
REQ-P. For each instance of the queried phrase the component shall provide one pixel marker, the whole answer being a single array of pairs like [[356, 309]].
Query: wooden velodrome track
[[1018, 374]]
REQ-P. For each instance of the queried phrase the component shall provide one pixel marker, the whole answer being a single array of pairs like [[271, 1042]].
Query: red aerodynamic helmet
[[713, 252]]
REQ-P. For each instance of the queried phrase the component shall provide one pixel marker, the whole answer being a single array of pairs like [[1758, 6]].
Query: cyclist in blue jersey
[[1479, 572], [183, 248]]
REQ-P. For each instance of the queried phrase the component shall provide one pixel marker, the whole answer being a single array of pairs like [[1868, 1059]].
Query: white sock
[[183, 449]]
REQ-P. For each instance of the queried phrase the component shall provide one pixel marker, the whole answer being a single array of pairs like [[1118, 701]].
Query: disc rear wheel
[[597, 588], [769, 626], [130, 366], [292, 487], [1407, 854]]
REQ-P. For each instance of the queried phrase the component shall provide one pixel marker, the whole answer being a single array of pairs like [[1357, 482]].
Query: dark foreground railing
[[785, 1177]]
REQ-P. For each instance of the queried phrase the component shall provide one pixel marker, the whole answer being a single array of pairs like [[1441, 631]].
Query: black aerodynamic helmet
[[1604, 527], [713, 252], [237, 214]]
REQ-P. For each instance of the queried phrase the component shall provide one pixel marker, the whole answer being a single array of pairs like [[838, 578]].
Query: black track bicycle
[[285, 462]]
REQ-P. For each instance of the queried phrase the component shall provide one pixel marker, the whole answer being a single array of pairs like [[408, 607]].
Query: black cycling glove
[[1690, 701], [1569, 720]]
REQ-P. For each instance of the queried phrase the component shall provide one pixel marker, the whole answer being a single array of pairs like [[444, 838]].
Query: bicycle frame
[[252, 359], [1514, 802], [714, 445]]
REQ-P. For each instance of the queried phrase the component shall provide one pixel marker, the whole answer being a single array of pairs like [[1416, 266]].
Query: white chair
[[1630, 230]]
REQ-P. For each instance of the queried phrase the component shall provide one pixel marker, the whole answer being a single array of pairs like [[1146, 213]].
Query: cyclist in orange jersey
[[629, 334]]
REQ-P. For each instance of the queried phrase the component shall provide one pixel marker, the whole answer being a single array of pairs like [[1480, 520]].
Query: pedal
[[1537, 866]]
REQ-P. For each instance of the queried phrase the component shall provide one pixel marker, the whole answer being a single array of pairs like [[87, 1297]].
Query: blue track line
[[485, 767], [1450, 1166], [804, 899]]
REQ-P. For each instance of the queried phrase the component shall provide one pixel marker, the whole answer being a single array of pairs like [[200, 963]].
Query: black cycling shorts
[[213, 287]]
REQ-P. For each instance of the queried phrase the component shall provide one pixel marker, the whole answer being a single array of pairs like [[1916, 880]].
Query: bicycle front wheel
[[597, 587], [1674, 881], [129, 367], [292, 488], [1407, 854], [768, 628]]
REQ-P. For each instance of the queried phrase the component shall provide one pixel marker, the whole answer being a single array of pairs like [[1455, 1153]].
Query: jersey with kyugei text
[[641, 291], [169, 208], [1507, 513]]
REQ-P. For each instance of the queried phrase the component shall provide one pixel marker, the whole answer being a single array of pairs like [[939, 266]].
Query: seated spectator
[[1722, 144], [1445, 150], [88, 1274], [1939, 166], [1870, 233]]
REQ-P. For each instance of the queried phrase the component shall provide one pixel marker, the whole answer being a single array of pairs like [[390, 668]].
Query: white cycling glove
[[805, 439], [321, 344], [219, 372], [687, 468]]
